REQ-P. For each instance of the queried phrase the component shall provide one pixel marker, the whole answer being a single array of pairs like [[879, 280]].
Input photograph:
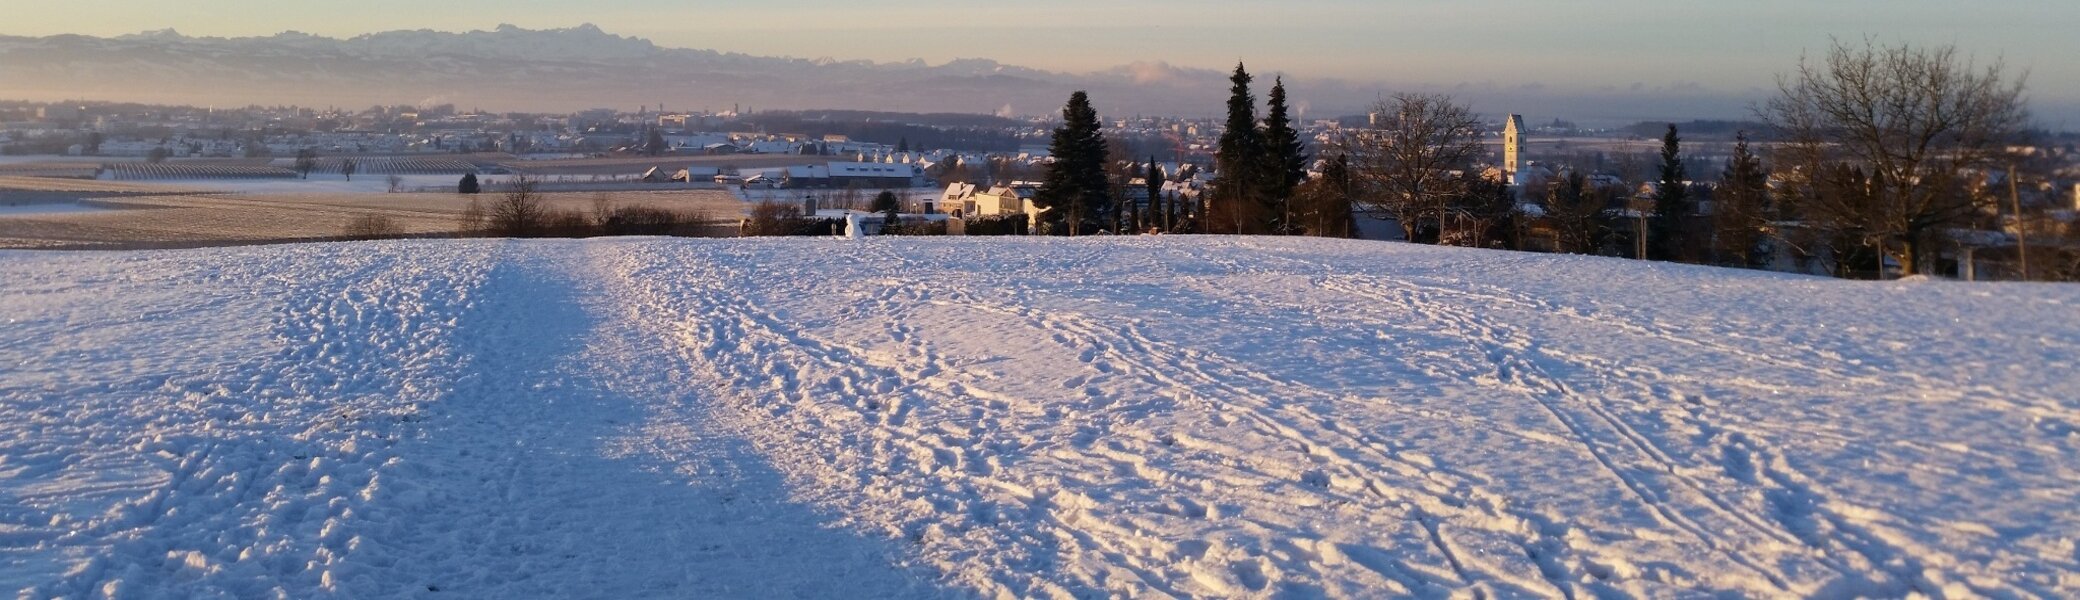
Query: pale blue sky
[[1724, 46]]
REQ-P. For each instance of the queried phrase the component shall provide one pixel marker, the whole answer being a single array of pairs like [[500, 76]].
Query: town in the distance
[[1771, 192]]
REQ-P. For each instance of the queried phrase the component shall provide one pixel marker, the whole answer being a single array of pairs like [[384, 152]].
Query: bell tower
[[1513, 146]]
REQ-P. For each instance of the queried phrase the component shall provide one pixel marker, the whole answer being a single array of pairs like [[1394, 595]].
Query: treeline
[[1708, 128], [1902, 159], [1097, 185], [920, 137], [521, 210], [951, 120]]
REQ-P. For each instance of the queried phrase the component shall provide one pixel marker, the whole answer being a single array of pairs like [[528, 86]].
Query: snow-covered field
[[1148, 416]]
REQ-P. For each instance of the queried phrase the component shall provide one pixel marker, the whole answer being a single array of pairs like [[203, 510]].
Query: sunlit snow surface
[[1151, 416]]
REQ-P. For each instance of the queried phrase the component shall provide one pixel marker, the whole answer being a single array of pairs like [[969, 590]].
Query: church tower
[[1513, 147]]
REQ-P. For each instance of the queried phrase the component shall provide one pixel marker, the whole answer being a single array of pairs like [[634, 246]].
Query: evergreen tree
[[1286, 159], [1741, 208], [468, 184], [885, 202], [1237, 194], [891, 212], [1128, 219], [1076, 188], [902, 146], [1187, 213], [1329, 214], [656, 145], [1158, 216], [1667, 236]]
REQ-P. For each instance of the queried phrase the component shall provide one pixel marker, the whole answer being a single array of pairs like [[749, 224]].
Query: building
[[958, 200], [1014, 199], [1513, 147], [60, 112]]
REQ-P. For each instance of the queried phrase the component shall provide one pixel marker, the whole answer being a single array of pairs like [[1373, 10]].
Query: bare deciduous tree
[[473, 218], [1408, 165], [1920, 122], [602, 208], [519, 213], [306, 161]]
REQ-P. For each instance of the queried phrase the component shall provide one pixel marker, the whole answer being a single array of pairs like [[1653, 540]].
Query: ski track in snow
[[1150, 417]]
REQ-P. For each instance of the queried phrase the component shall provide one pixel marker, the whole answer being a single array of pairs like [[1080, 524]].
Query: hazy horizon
[[1717, 57]]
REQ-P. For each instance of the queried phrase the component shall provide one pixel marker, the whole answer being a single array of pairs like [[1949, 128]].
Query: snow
[[928, 417]]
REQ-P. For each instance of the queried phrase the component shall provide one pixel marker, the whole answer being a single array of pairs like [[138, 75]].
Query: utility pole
[[2021, 226]]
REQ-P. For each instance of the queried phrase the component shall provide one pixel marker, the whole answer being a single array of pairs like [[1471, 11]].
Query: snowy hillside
[[1199, 417]]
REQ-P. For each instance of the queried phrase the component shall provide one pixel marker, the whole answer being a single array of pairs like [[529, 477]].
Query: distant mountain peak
[[582, 29], [560, 68], [156, 34]]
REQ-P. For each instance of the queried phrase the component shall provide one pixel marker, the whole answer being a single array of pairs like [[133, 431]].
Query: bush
[[775, 219], [772, 218], [565, 224], [371, 227], [916, 227], [818, 227], [1016, 224], [644, 220]]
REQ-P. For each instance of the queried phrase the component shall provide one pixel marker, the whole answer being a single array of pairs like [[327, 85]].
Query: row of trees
[[522, 210], [1258, 166], [307, 162], [1261, 169], [1883, 152]]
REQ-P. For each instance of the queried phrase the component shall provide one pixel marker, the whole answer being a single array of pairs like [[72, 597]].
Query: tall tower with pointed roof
[[1513, 146]]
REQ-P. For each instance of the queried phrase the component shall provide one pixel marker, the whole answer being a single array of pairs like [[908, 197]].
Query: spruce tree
[[1158, 217], [885, 202], [1286, 159], [1333, 218], [656, 145], [1672, 206], [891, 209], [1741, 208], [1076, 188], [468, 185], [1238, 187], [1126, 218]]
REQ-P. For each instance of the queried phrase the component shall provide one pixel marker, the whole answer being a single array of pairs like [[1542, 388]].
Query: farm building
[[855, 174]]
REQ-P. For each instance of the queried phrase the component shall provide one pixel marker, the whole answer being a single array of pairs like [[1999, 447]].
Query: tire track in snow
[[1154, 362], [575, 459], [1511, 354], [1867, 540], [1882, 557], [934, 499], [1794, 496]]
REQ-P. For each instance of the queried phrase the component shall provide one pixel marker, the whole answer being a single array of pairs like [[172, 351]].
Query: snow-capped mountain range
[[511, 68], [514, 69]]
